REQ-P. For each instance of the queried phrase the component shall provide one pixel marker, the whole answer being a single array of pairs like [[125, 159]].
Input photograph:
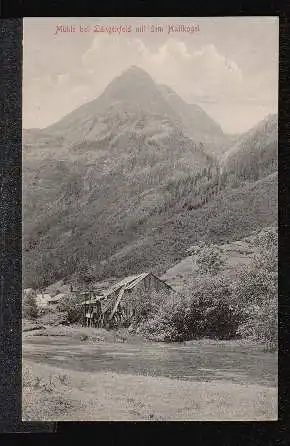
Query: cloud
[[203, 75]]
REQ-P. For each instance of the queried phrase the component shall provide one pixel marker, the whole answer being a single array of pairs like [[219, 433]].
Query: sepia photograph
[[150, 219]]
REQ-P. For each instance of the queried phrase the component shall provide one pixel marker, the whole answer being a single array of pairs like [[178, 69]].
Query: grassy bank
[[78, 333], [54, 394]]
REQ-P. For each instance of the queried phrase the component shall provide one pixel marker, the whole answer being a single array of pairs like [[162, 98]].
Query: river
[[197, 361]]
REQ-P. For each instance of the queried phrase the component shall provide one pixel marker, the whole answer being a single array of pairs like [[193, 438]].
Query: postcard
[[150, 213]]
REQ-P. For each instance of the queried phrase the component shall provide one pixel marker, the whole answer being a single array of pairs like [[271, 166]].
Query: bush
[[69, 305], [143, 305], [218, 308], [267, 239], [171, 321], [209, 259], [30, 308], [212, 300], [158, 330], [206, 311], [262, 325], [256, 292]]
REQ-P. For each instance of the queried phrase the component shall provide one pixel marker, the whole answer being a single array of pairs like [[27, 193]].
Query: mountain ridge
[[255, 153], [122, 175], [133, 89]]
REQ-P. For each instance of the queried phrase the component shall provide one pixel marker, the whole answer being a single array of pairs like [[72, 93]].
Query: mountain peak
[[167, 90], [134, 91], [134, 69], [136, 87], [136, 73]]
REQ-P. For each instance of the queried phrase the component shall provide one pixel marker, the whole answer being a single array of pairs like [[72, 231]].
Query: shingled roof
[[128, 283]]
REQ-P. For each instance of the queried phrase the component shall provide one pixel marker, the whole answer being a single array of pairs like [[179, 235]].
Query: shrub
[[30, 308], [257, 295], [209, 259], [212, 303], [171, 322], [159, 330], [69, 305], [143, 305], [166, 322], [267, 239], [256, 292], [205, 311], [262, 325], [218, 308]]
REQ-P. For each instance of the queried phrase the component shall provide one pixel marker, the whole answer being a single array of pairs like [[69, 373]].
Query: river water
[[198, 361]]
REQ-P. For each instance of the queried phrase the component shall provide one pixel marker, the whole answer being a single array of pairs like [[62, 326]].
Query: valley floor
[[78, 374]]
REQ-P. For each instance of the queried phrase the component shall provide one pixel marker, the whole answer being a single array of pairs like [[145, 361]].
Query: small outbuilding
[[112, 306]]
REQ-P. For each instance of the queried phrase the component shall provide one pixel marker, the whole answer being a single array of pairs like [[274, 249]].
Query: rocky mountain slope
[[197, 125], [120, 185], [255, 154]]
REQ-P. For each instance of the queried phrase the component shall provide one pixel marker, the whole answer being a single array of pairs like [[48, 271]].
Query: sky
[[228, 65]]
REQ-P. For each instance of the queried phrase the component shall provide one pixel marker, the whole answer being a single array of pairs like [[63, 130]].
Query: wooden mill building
[[113, 306]]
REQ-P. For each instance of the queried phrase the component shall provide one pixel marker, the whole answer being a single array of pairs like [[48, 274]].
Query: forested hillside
[[121, 185]]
